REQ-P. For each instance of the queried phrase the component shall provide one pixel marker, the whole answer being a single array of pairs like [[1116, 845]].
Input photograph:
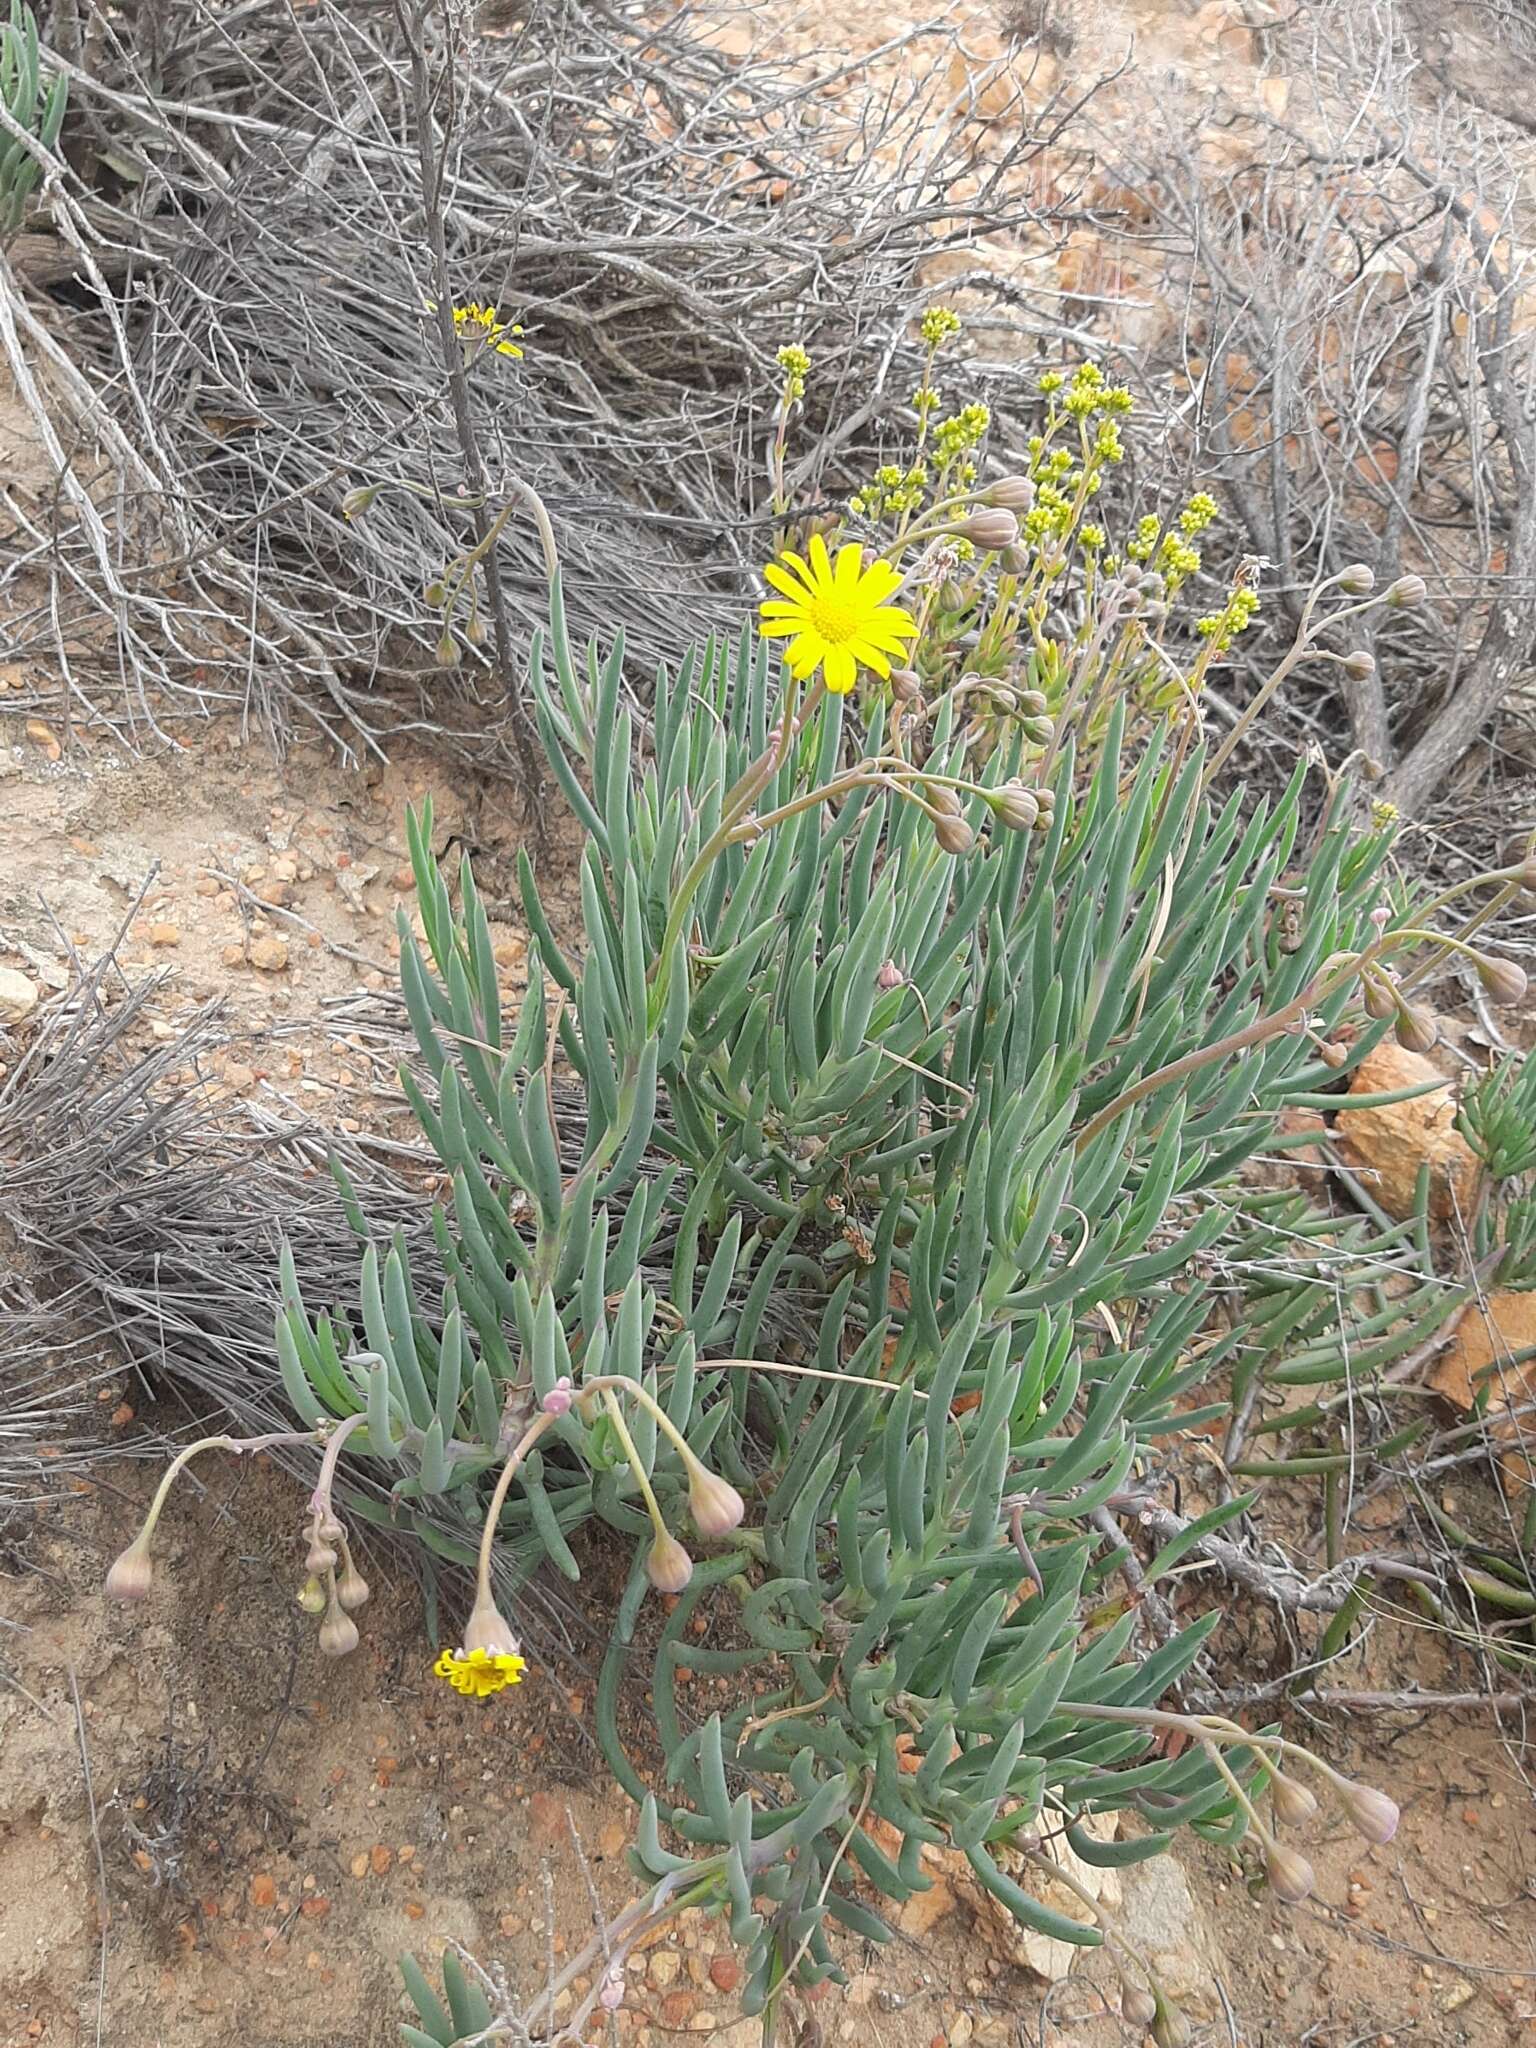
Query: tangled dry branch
[[234, 309]]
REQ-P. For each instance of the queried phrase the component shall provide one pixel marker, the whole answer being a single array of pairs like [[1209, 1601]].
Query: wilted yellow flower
[[836, 617], [478, 1672], [480, 326]]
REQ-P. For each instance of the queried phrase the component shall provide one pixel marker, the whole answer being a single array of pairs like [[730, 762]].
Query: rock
[[1159, 1916], [724, 1973], [18, 996], [269, 953], [1488, 1336], [164, 935], [924, 1910], [664, 1968], [1386, 1147]]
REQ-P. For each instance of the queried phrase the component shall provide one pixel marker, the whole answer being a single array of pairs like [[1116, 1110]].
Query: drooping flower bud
[[1289, 1873], [319, 1558], [1014, 493], [1406, 592], [1294, 1803], [1040, 730], [1033, 703], [359, 500], [889, 977], [352, 1588], [338, 1633], [954, 835], [990, 527], [1415, 1029], [906, 684], [1358, 580], [1371, 1813], [487, 1629], [1358, 664], [1332, 1054], [312, 1597], [560, 1396], [943, 800], [715, 1505], [436, 593], [1504, 981], [1016, 806], [131, 1574], [1137, 2004], [1377, 998], [448, 650], [331, 1531], [1014, 560], [1170, 2029], [667, 1565]]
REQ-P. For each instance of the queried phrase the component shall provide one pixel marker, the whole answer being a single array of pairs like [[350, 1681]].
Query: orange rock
[[1386, 1147], [1489, 1337], [263, 1892]]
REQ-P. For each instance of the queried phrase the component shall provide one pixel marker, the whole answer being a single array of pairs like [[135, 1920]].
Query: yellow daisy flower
[[478, 1672], [836, 616]]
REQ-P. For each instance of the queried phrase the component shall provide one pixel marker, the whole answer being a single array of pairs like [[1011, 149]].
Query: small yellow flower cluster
[[796, 365], [956, 437], [475, 1673], [938, 325], [1139, 549], [1177, 560], [1383, 815], [1198, 513], [1106, 444], [924, 399], [892, 489], [1051, 383], [480, 326], [1092, 537], [1236, 616]]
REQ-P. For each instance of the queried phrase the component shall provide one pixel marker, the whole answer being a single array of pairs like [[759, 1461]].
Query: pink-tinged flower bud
[[1012, 493], [1415, 1029], [1290, 1875], [1358, 580], [943, 800], [1016, 806], [954, 835], [1504, 981], [1170, 2029], [338, 1634], [560, 1396], [1137, 2004], [312, 1597], [1371, 1813], [1406, 592], [132, 1574], [989, 528], [1332, 1054], [715, 1505], [331, 1531], [1358, 664], [1014, 560], [906, 684], [889, 977], [319, 1558], [1293, 1803], [668, 1566], [487, 1629]]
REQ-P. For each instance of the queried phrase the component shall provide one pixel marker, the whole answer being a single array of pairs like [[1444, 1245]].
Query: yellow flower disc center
[[835, 619]]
